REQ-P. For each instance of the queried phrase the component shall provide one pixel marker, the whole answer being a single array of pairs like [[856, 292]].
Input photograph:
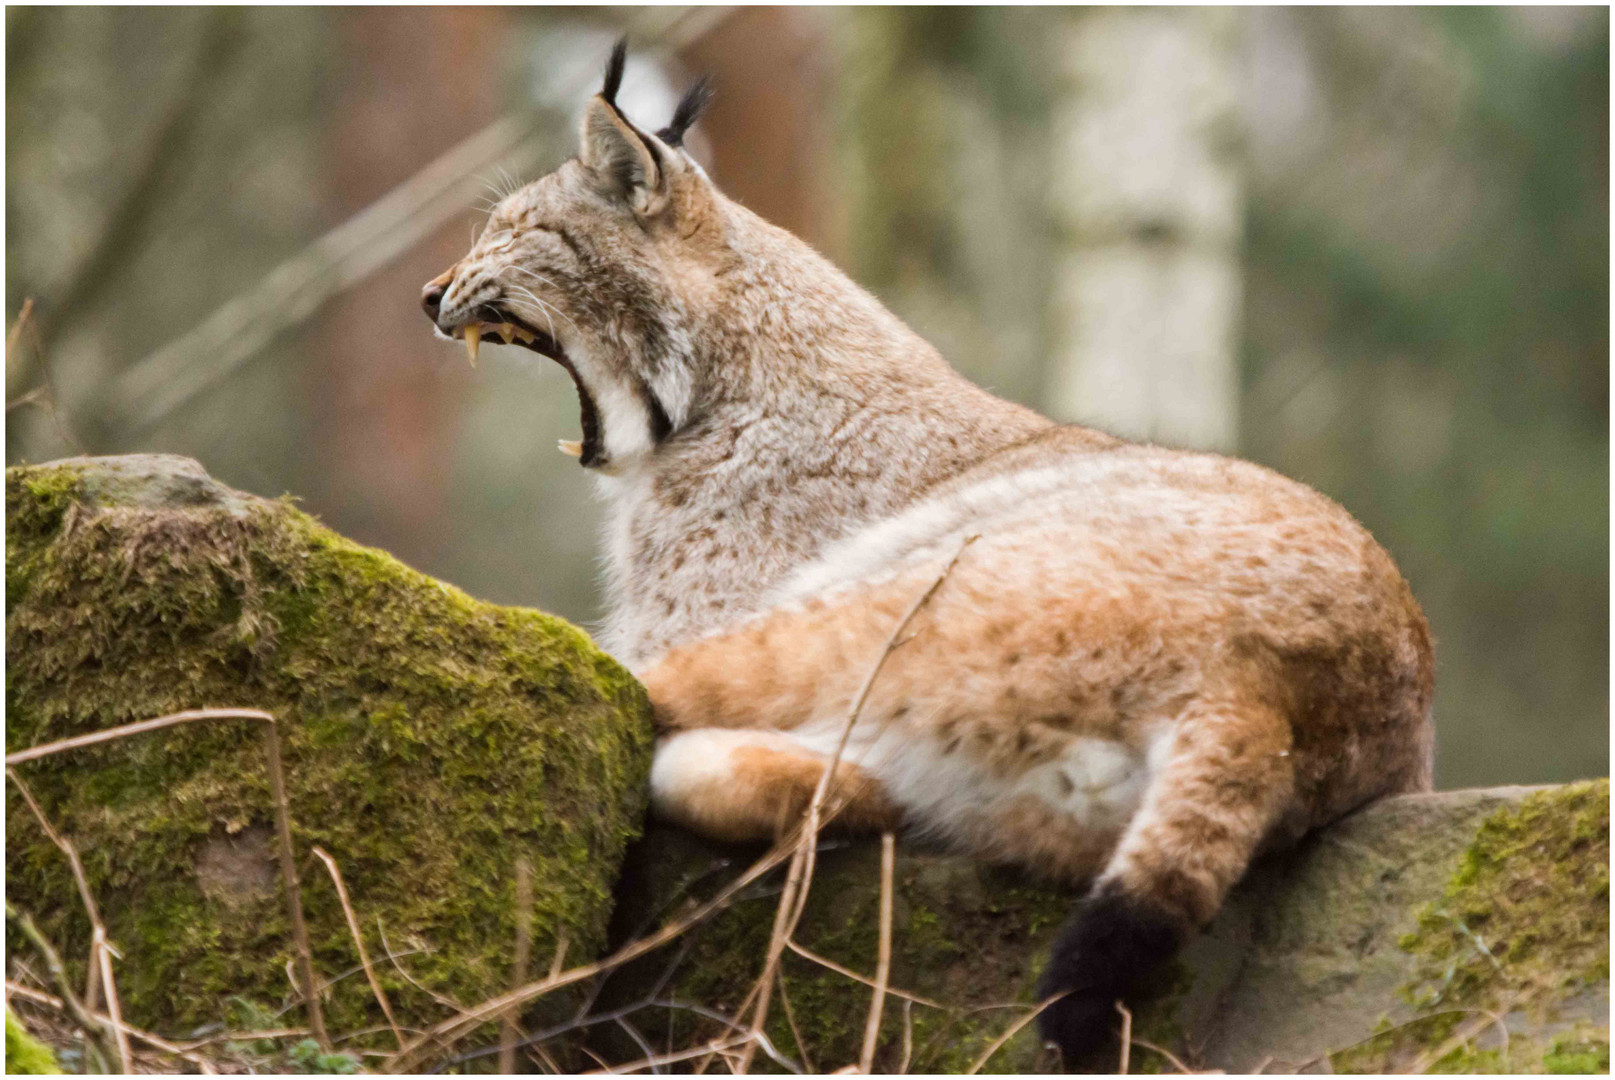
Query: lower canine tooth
[[570, 447], [473, 338]]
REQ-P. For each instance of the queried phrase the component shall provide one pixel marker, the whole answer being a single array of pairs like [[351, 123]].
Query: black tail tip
[[1112, 942]]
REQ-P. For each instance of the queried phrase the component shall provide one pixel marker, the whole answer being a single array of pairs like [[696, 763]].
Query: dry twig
[[1171, 1058], [883, 964], [908, 1037], [518, 974], [450, 1031], [125, 730], [179, 1050], [98, 1032], [793, 899], [441, 999], [1010, 1032], [764, 986], [97, 927], [1127, 1037], [44, 394], [14, 335], [825, 962], [358, 942], [790, 1018], [1464, 1033], [102, 953], [283, 825]]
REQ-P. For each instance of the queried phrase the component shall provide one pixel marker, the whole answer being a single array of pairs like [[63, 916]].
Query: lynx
[[1148, 666]]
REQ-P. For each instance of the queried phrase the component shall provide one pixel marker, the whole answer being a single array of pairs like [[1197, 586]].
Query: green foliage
[[307, 1057], [429, 740], [1577, 1056], [25, 1054]]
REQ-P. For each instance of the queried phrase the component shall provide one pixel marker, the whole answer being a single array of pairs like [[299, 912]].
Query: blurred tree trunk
[[417, 81], [943, 176], [1147, 194], [767, 126]]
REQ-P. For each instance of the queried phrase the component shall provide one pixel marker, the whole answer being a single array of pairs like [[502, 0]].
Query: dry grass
[[358, 942], [283, 834], [63, 1016]]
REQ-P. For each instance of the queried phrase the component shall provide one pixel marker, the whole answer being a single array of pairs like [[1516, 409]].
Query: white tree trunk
[[1147, 193]]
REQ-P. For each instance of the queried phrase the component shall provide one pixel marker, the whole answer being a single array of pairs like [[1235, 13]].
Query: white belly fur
[[1102, 787]]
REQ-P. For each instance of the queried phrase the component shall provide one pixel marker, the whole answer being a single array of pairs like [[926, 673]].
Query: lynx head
[[598, 266]]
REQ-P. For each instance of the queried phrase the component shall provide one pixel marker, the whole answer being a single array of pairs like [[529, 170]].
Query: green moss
[[1526, 914], [1522, 925], [962, 936], [429, 741], [1577, 1056], [26, 1055]]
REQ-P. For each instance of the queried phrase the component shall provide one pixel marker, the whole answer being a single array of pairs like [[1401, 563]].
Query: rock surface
[[429, 741], [1414, 918]]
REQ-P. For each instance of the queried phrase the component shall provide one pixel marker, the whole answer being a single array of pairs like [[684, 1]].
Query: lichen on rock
[[1520, 938], [430, 740]]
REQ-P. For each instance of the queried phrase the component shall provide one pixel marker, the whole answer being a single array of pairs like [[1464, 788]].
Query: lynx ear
[[625, 161]]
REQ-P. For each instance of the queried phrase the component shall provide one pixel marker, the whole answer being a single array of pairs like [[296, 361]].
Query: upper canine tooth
[[507, 331], [473, 338], [569, 447]]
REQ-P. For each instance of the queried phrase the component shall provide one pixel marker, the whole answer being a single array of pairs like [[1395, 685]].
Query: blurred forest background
[[1367, 247]]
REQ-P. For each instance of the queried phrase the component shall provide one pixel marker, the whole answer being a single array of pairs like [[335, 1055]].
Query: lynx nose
[[432, 299]]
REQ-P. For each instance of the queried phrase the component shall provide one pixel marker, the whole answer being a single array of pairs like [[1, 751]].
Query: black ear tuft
[[614, 66], [690, 107]]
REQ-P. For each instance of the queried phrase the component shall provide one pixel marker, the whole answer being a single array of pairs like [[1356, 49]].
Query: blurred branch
[[43, 395], [294, 291], [125, 223]]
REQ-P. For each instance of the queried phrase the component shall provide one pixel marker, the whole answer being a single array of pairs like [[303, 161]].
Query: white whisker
[[544, 309], [510, 183], [535, 277]]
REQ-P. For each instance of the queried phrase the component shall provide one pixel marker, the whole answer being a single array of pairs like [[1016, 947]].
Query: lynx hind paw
[[1111, 942]]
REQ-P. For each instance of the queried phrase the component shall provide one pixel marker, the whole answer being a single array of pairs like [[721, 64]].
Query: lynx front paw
[[742, 784]]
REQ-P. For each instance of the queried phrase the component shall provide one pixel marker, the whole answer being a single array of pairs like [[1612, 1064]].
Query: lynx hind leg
[[741, 784], [1226, 780]]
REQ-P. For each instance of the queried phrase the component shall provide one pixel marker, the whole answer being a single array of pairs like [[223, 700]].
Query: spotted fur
[[1150, 665]]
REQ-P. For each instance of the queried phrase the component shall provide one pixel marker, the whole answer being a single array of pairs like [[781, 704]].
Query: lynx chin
[[1151, 666]]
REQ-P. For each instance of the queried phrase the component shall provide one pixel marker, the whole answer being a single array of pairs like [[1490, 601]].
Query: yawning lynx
[[1149, 666]]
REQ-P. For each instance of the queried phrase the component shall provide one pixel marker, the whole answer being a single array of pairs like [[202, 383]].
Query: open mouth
[[490, 322]]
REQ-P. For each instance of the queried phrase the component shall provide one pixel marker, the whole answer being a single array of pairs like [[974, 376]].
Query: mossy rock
[[430, 741], [966, 935], [1326, 958]]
